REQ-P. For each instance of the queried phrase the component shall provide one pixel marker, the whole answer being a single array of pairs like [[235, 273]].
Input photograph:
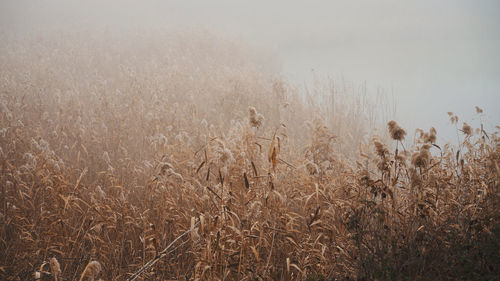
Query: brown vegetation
[[187, 165]]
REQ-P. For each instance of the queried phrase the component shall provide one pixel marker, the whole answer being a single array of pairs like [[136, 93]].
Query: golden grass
[[115, 160]]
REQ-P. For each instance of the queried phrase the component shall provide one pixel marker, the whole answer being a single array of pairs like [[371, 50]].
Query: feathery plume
[[397, 133], [431, 136], [422, 157], [453, 118], [100, 193], [224, 155], [256, 119], [55, 268], [466, 129], [381, 148], [312, 168], [91, 271]]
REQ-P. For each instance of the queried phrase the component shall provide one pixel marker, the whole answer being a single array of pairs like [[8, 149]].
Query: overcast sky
[[435, 56]]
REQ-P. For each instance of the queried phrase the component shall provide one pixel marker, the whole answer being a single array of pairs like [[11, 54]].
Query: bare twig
[[161, 254], [272, 245], [290, 165]]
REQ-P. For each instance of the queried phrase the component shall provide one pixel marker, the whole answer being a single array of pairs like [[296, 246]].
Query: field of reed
[[179, 158]]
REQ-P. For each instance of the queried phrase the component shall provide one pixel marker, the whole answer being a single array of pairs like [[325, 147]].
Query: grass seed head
[[256, 119], [397, 133], [312, 168], [380, 148], [467, 129], [55, 268], [431, 136], [91, 271], [422, 157]]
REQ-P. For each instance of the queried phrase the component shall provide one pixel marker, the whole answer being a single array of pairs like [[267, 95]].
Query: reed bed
[[179, 160]]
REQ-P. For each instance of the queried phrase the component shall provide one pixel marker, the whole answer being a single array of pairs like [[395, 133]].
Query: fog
[[429, 57]]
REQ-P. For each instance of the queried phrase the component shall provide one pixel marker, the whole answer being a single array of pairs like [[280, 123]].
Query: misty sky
[[434, 56]]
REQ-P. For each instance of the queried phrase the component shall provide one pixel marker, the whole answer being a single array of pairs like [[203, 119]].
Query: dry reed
[[111, 153]]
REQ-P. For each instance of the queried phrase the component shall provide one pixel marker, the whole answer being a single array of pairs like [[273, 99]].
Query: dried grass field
[[177, 158]]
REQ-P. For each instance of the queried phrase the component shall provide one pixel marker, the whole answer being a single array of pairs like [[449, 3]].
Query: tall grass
[[176, 159]]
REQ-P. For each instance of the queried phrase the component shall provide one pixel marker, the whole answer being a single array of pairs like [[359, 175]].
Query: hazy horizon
[[429, 57]]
